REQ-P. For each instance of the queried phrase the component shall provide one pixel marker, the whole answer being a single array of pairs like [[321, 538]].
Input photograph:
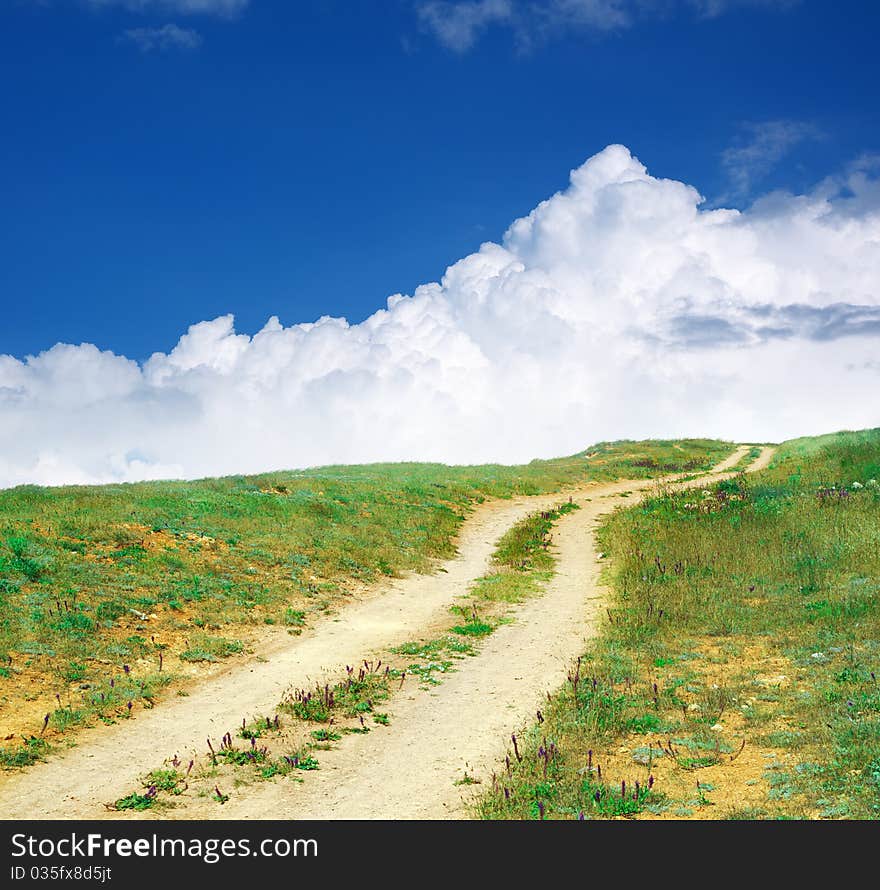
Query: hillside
[[563, 640], [112, 597]]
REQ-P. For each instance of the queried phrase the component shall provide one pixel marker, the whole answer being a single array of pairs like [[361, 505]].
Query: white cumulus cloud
[[617, 308]]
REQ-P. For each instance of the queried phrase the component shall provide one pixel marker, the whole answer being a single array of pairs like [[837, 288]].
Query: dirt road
[[406, 770], [464, 725]]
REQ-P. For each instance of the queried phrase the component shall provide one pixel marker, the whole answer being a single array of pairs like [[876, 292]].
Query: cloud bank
[[616, 308]]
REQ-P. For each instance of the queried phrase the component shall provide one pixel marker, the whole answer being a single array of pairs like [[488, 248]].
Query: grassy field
[[112, 595], [736, 672]]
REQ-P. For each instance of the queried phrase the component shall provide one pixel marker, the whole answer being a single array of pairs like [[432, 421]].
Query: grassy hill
[[111, 594]]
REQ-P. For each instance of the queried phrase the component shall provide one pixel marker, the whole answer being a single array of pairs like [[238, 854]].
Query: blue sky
[[169, 161]]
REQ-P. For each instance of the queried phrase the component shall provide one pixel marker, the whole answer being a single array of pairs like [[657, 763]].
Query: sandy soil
[[408, 769]]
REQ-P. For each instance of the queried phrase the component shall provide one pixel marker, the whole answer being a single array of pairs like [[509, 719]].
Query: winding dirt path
[[408, 769]]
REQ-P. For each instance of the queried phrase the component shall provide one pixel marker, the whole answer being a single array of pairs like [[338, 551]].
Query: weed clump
[[352, 697], [26, 753]]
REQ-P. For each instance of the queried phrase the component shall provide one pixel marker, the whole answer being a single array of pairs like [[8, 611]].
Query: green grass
[[26, 753], [474, 627], [430, 661], [136, 801], [202, 647], [746, 615], [325, 735], [167, 780]]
